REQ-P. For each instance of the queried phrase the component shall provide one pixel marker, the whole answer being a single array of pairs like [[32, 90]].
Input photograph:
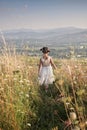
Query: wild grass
[[24, 105], [16, 79]]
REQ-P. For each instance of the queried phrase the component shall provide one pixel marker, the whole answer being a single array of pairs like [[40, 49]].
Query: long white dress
[[46, 72]]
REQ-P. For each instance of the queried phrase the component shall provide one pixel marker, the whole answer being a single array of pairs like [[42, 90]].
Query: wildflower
[[30, 67], [76, 66], [71, 108], [18, 67], [1, 89], [86, 122], [67, 104], [28, 124], [21, 81], [15, 79], [27, 95], [27, 81], [73, 115]]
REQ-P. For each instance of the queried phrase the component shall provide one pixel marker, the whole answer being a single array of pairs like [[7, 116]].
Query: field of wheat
[[24, 104]]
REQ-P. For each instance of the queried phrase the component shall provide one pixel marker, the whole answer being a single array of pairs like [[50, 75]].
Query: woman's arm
[[52, 63], [40, 64]]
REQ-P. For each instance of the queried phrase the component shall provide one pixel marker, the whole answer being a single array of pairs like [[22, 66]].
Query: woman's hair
[[45, 50]]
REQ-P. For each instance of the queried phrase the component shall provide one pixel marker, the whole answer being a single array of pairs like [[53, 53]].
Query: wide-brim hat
[[45, 50]]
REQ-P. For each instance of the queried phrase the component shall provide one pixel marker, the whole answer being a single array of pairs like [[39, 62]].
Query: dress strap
[[46, 62]]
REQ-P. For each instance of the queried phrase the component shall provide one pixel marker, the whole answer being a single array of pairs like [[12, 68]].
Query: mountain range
[[51, 37]]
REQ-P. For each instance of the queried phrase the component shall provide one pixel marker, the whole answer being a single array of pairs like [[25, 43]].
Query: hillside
[[51, 37], [60, 41]]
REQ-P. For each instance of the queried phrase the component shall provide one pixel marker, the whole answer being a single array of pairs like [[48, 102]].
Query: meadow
[[24, 104]]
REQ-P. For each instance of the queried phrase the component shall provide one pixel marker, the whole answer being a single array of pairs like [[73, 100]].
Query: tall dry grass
[[72, 83], [16, 78]]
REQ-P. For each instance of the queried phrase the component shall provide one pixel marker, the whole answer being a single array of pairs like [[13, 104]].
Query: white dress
[[46, 72]]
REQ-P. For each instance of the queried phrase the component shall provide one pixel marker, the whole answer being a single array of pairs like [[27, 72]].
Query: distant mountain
[[26, 33], [50, 36]]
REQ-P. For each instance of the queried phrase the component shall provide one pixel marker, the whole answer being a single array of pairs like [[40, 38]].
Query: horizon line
[[36, 29]]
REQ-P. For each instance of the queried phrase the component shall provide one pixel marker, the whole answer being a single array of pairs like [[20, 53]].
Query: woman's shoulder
[[41, 59], [49, 57]]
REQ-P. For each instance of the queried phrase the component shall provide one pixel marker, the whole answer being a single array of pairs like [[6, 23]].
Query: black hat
[[45, 50]]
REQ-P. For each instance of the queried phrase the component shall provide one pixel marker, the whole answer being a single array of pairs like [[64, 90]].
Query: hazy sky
[[42, 14]]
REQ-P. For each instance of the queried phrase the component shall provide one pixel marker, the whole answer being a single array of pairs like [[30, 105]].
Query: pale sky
[[42, 14]]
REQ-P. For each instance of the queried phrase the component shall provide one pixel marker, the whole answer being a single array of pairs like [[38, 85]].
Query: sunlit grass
[[24, 105]]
